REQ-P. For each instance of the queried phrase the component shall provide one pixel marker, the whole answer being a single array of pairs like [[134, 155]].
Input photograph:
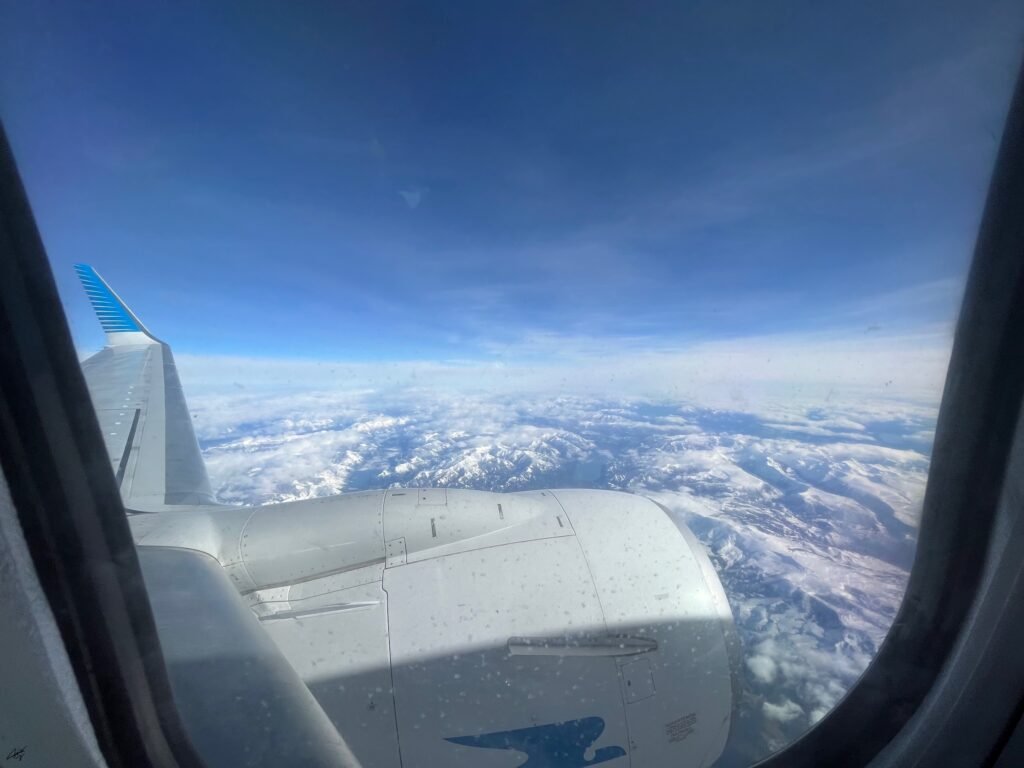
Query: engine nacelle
[[573, 627]]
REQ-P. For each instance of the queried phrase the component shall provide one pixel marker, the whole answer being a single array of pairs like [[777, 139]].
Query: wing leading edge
[[141, 409]]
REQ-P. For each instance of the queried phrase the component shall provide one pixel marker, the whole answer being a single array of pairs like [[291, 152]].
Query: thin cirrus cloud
[[741, 372]]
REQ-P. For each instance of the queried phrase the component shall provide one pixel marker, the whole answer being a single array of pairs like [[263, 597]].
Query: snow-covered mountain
[[810, 514]]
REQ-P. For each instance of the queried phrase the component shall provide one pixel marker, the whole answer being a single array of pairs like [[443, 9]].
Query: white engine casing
[[466, 628]]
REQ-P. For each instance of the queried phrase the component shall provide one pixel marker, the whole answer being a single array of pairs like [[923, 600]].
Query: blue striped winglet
[[113, 315]]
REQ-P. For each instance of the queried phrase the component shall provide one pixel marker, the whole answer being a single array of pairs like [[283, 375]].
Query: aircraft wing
[[141, 409]]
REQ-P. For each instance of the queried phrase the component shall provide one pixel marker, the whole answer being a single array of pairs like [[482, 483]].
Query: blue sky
[[451, 181]]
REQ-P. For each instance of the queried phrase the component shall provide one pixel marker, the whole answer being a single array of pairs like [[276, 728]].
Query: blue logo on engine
[[555, 745]]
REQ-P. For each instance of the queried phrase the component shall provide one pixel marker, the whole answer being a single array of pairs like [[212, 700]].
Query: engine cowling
[[576, 627]]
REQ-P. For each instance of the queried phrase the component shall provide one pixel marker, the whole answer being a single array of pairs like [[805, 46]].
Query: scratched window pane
[[532, 386]]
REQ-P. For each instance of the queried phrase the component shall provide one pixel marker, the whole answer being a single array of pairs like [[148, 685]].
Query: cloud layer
[[746, 372]]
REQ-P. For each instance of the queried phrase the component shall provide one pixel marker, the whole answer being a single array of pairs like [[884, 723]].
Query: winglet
[[117, 319]]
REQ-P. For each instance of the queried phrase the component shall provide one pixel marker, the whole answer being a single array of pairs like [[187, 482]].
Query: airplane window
[[550, 380]]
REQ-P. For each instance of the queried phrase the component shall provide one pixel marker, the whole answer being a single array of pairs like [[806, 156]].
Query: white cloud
[[762, 668], [784, 712]]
